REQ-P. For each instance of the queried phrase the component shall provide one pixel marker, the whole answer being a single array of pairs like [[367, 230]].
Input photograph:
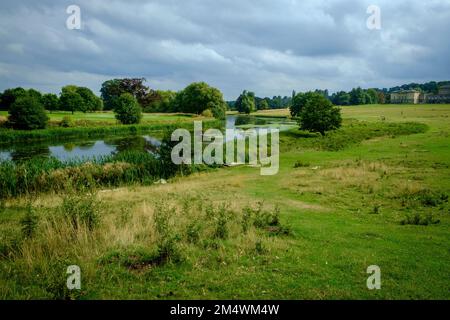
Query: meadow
[[373, 193]]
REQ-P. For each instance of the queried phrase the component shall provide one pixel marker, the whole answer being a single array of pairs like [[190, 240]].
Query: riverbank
[[309, 232], [9, 136]]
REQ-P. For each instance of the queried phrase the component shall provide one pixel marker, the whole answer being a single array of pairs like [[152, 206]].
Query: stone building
[[406, 96], [415, 97], [442, 97]]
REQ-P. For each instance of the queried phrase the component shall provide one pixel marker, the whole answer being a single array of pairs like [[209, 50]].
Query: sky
[[265, 46]]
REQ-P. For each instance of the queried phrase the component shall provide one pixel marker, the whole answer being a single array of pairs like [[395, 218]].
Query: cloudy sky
[[267, 46]]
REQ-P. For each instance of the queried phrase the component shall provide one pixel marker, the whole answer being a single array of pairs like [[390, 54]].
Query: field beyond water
[[373, 193]]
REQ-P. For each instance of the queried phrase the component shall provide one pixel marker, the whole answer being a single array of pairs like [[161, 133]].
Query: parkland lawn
[[343, 209]]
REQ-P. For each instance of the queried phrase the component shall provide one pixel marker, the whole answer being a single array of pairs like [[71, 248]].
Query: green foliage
[[198, 97], [263, 105], [27, 113], [67, 122], [221, 217], [318, 114], [70, 100], [207, 113], [9, 96], [419, 219], [166, 236], [341, 98], [246, 102], [91, 102], [50, 102], [127, 109], [81, 210], [112, 90], [299, 102]]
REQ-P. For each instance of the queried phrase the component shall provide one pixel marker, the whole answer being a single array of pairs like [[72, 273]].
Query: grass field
[[380, 202], [107, 117]]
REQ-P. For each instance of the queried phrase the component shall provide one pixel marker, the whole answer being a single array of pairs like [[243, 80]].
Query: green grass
[[343, 211], [108, 116]]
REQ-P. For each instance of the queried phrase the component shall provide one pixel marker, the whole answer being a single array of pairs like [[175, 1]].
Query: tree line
[[128, 98]]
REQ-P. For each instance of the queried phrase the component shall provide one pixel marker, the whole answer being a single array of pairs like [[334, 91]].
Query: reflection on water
[[80, 149], [73, 150]]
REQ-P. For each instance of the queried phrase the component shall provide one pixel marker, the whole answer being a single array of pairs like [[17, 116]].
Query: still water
[[88, 149]]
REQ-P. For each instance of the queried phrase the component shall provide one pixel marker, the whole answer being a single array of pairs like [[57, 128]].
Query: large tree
[[9, 96], [319, 115], [50, 102], [198, 97], [246, 102], [299, 101], [112, 89], [70, 99], [90, 101]]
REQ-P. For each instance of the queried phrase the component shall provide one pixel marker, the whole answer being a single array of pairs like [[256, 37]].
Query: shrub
[[167, 249], [127, 109], [27, 113], [418, 219], [67, 122], [81, 209], [301, 164], [207, 113], [221, 219]]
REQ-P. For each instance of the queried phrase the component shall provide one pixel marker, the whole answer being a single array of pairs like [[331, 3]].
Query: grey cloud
[[270, 47]]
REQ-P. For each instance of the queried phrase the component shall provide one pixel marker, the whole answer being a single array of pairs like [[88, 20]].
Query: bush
[[319, 115], [81, 210], [207, 113], [127, 109], [27, 113], [67, 122]]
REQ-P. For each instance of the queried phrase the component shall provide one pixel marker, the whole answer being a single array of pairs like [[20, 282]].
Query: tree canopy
[[317, 114], [127, 109], [198, 97], [27, 113]]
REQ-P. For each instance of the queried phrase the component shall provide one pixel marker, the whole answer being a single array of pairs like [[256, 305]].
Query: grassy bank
[[381, 199]]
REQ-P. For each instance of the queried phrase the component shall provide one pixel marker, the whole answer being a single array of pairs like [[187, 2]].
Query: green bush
[[207, 113], [27, 113], [127, 109], [81, 210], [67, 122]]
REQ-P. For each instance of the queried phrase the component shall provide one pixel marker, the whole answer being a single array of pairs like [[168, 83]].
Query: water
[[88, 149]]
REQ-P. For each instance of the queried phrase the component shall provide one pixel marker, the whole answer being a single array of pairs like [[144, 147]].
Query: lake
[[88, 149]]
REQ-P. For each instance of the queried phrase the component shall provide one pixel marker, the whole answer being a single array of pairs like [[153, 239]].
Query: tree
[[246, 102], [263, 105], [299, 101], [373, 96], [113, 89], [9, 96], [91, 102], [127, 109], [319, 115], [341, 98], [199, 96], [27, 113], [357, 97], [110, 91], [50, 102], [70, 100]]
